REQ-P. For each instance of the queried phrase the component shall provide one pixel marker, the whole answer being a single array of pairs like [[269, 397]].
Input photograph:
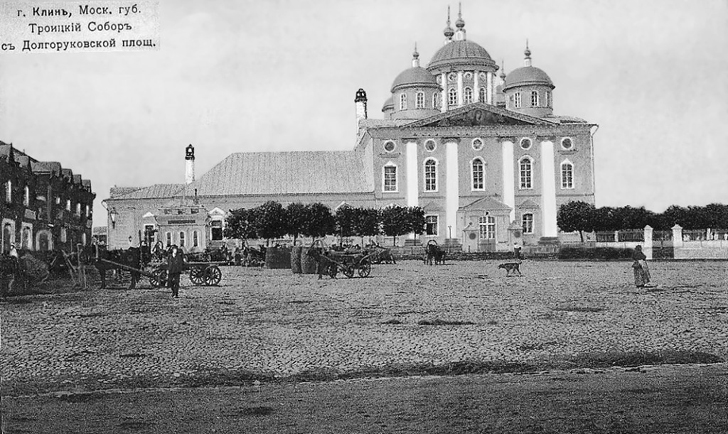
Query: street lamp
[[112, 216]]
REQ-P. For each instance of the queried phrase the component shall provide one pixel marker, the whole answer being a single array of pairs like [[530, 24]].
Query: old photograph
[[399, 216]]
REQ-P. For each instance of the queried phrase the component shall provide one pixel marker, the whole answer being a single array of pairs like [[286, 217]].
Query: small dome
[[388, 104], [417, 76], [448, 32], [527, 75], [459, 52]]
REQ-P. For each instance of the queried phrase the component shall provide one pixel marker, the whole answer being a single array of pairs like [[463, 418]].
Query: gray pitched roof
[[271, 173], [155, 191]]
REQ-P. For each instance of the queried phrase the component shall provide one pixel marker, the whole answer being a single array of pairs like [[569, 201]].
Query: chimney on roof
[[360, 101], [189, 164]]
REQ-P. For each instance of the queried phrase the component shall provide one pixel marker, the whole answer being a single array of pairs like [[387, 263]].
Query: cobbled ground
[[275, 324]]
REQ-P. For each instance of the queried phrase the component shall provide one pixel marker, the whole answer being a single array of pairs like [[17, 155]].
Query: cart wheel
[[197, 275], [365, 267], [212, 275], [348, 270], [159, 278]]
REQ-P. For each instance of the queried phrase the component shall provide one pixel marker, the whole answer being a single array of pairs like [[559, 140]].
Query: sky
[[246, 76]]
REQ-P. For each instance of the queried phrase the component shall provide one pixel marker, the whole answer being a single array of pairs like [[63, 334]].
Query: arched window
[[420, 100], [517, 100], [547, 97], [468, 95], [567, 175], [403, 101], [436, 100], [478, 174], [168, 237], [68, 204], [481, 95], [195, 239], [452, 97], [527, 223], [534, 98], [526, 173], [430, 175], [181, 239], [389, 178]]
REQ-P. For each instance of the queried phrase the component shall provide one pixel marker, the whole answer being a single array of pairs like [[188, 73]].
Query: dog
[[511, 268]]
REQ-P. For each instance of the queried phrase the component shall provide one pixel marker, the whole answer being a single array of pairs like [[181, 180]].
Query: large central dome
[[462, 52]]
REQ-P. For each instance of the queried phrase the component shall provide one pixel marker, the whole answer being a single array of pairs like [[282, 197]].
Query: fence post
[[677, 237], [648, 242]]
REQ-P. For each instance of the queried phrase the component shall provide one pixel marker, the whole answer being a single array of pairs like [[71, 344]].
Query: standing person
[[176, 265], [131, 242], [517, 251], [641, 270]]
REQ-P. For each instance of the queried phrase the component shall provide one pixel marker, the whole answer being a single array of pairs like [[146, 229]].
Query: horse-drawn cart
[[201, 273], [350, 263]]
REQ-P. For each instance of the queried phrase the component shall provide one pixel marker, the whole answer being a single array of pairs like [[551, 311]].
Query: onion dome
[[460, 23], [448, 32]]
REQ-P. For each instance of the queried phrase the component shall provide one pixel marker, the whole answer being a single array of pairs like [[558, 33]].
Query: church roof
[[526, 76], [415, 76], [462, 52], [272, 173]]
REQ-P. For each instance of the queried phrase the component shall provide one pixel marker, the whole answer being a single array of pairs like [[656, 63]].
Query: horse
[[433, 253], [131, 257], [325, 264], [381, 254]]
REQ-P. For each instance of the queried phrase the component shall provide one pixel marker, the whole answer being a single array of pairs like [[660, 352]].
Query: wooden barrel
[[278, 257], [308, 264], [296, 259]]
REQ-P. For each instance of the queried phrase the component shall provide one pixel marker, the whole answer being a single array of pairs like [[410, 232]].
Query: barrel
[[296, 259], [278, 257], [308, 264]]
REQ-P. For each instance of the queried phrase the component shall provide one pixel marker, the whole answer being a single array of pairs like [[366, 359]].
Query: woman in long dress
[[641, 270]]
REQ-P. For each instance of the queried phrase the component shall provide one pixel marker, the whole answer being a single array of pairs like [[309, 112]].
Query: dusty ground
[[280, 329]]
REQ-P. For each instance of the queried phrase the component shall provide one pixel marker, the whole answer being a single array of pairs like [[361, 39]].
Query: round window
[[468, 75], [452, 76], [430, 145], [389, 146], [526, 143], [477, 144], [482, 75], [566, 143]]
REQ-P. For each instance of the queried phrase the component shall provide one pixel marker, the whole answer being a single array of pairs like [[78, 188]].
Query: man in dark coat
[[176, 266]]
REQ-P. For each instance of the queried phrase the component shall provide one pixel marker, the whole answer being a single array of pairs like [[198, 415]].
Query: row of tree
[[585, 217], [272, 221]]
